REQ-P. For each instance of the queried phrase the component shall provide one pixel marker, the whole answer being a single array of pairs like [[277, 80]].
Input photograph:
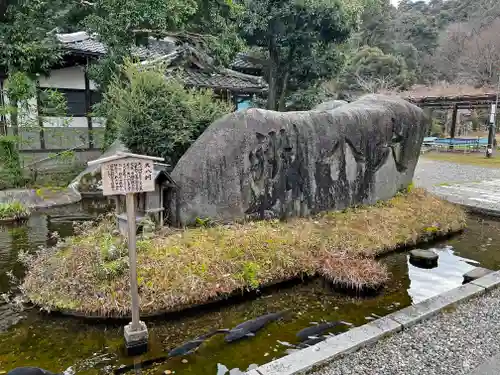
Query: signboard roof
[[125, 173], [123, 155]]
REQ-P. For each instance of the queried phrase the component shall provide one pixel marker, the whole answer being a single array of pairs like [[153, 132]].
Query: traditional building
[[247, 64], [82, 132]]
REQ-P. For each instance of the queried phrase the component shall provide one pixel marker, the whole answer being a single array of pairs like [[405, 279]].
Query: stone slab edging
[[474, 208], [334, 347], [34, 200]]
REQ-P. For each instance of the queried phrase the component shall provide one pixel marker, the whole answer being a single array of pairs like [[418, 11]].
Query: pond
[[57, 343]]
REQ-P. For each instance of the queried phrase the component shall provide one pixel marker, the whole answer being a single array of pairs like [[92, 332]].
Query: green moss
[[431, 229]]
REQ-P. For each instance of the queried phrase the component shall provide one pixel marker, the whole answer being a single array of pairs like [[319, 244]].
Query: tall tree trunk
[[284, 86], [273, 74], [14, 116], [286, 78], [3, 118]]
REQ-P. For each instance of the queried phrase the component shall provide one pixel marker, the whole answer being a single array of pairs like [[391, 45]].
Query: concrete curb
[[334, 347], [475, 208]]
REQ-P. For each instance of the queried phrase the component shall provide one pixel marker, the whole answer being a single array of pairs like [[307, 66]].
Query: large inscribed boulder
[[259, 163], [328, 105]]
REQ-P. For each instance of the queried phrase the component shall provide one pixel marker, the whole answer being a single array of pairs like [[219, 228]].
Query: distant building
[[247, 64], [83, 132]]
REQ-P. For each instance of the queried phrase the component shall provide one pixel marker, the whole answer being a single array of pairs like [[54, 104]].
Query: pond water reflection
[[427, 283], [56, 342]]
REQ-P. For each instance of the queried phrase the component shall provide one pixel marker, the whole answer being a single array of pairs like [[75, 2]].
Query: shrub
[[158, 116], [436, 128], [10, 164], [13, 211], [369, 69]]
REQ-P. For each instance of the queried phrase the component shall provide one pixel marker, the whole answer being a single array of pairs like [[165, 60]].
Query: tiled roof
[[215, 78], [244, 61], [83, 43], [224, 80]]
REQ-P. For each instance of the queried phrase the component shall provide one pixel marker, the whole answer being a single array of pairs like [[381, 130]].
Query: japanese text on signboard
[[127, 175]]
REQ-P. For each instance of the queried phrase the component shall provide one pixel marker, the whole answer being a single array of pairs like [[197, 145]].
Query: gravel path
[[452, 343], [430, 172]]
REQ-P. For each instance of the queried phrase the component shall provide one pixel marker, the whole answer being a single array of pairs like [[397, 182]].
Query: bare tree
[[469, 53], [446, 59], [481, 56], [376, 84]]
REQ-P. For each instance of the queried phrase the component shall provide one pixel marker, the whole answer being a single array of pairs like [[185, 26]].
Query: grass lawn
[[476, 158], [182, 268]]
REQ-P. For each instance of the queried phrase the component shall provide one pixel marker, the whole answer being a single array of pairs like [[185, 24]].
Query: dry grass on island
[[88, 273]]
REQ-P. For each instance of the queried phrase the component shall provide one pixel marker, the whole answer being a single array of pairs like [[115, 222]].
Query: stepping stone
[[475, 274], [423, 258]]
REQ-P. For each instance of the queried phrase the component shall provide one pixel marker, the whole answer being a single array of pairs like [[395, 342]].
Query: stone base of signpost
[[136, 341]]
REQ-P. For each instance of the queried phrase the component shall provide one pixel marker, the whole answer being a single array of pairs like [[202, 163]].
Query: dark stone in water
[[475, 274], [423, 258]]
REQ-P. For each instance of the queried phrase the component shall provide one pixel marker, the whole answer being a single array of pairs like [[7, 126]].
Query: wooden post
[[161, 213], [492, 129], [3, 118], [40, 120], [453, 125], [491, 132], [127, 174], [132, 254], [428, 113], [88, 106]]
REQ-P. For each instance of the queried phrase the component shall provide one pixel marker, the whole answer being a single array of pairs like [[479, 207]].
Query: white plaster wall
[[70, 122], [26, 114], [73, 122], [66, 78]]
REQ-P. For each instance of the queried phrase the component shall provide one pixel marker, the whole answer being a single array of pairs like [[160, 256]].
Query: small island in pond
[[267, 197], [179, 269]]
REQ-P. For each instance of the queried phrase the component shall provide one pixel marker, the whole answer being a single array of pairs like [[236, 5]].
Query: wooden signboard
[[127, 175]]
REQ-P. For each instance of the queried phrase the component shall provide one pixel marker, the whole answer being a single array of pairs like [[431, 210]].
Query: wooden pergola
[[485, 100]]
